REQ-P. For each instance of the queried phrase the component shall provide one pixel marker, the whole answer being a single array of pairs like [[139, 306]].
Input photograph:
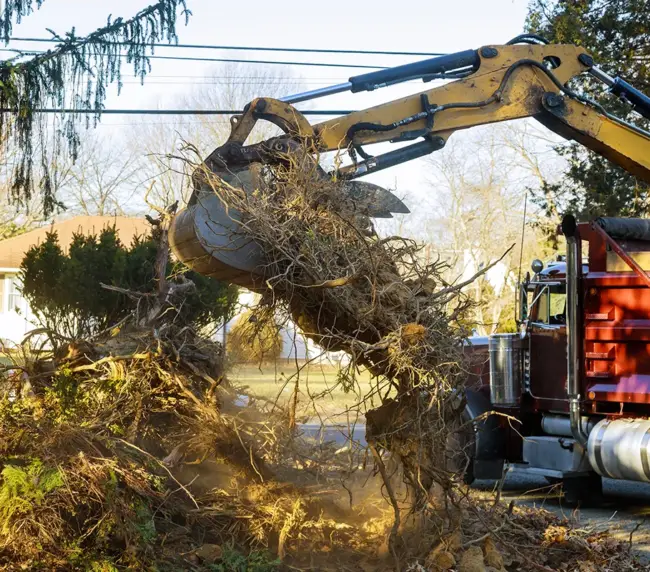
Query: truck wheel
[[583, 491]]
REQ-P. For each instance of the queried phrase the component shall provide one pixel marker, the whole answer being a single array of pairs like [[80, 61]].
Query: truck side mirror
[[523, 299]]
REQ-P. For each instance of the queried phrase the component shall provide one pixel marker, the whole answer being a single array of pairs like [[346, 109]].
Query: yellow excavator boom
[[491, 84]]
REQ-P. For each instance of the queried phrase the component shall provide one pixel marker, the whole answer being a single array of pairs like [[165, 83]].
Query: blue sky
[[404, 25]]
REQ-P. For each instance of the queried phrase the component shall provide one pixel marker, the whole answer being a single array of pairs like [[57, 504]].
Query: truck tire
[[583, 491]]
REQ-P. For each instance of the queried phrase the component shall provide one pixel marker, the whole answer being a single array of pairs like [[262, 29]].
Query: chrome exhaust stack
[[573, 277]]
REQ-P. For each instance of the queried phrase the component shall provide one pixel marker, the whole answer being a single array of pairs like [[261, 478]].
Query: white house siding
[[15, 314]]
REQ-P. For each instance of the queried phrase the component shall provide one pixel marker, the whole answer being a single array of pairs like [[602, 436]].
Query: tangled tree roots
[[250, 343], [377, 299]]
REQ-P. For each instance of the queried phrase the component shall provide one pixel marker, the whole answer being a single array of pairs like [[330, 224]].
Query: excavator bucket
[[208, 236]]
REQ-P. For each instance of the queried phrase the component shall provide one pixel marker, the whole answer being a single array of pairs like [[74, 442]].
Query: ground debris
[[126, 458], [131, 451]]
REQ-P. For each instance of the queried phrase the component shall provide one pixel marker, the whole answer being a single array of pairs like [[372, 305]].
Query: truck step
[[599, 374]]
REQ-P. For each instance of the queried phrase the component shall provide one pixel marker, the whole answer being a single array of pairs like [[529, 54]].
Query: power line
[[223, 60], [258, 48], [295, 81], [169, 111], [185, 123], [252, 77], [294, 84]]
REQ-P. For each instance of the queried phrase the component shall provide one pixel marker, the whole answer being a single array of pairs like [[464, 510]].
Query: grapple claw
[[207, 235]]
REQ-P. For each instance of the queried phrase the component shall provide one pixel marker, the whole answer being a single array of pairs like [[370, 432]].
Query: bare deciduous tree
[[227, 87], [477, 213], [232, 86], [14, 220], [103, 179], [533, 152], [18, 218]]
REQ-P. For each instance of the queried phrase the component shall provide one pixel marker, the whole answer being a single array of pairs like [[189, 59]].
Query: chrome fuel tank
[[620, 449], [505, 369]]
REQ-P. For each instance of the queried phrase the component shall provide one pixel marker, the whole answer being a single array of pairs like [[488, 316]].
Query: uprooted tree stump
[[375, 298]]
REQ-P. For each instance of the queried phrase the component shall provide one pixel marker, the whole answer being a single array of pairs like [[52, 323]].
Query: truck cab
[[543, 321]]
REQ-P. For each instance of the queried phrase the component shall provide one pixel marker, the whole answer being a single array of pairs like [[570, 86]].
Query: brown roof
[[12, 250]]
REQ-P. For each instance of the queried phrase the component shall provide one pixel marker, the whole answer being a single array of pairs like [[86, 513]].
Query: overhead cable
[[223, 60], [168, 111], [257, 48]]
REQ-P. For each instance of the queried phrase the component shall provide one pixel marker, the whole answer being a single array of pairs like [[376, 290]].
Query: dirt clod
[[493, 557], [209, 553], [441, 560], [472, 560]]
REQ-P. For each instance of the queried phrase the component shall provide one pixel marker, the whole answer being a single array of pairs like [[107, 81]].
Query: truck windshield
[[550, 307]]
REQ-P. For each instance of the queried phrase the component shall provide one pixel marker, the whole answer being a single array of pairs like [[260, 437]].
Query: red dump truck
[[577, 376]]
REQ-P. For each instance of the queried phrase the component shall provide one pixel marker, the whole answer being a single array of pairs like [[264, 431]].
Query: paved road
[[337, 433]]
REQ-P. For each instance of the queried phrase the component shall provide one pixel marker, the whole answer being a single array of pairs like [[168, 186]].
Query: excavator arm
[[503, 83], [491, 84]]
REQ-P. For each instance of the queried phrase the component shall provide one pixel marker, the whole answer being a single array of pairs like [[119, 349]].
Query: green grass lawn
[[320, 394]]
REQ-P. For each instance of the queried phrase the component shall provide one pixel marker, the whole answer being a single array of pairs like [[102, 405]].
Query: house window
[[14, 295], [2, 293]]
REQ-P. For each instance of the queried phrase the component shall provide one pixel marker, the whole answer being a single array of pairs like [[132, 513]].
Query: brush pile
[[131, 451]]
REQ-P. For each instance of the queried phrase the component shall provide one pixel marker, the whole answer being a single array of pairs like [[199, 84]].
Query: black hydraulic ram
[[433, 66], [619, 87], [392, 158], [466, 61], [638, 99]]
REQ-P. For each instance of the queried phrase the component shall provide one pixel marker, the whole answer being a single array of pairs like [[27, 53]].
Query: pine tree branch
[[75, 74], [15, 11]]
